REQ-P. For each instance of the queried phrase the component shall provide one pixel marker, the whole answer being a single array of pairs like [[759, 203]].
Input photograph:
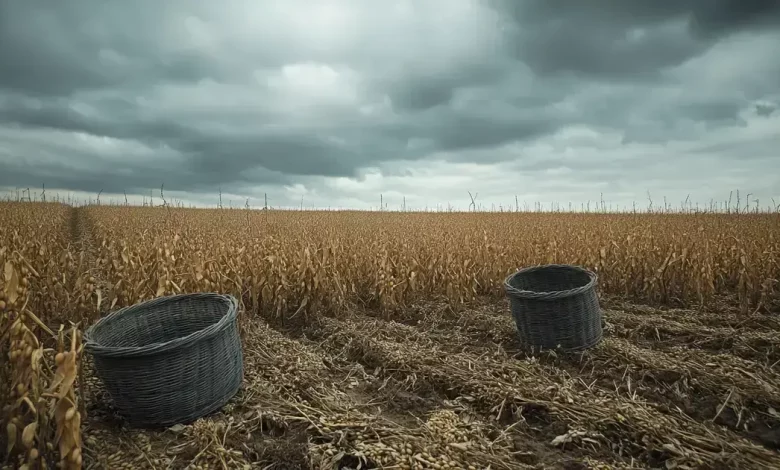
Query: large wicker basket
[[169, 360], [555, 306]]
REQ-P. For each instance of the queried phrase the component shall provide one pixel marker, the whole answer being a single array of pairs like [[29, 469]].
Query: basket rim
[[550, 295], [99, 350]]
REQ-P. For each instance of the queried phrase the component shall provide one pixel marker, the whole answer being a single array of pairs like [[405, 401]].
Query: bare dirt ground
[[437, 388]]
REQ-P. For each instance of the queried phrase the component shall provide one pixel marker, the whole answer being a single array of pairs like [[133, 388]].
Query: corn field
[[288, 262], [64, 267]]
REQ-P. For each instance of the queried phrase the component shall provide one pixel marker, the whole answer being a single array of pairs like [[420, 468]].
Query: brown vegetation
[[384, 337]]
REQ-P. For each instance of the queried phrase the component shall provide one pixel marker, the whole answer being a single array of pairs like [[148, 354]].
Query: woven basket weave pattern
[[169, 360], [555, 305]]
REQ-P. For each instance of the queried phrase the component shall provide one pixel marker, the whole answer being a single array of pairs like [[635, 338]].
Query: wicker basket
[[169, 360], [555, 306]]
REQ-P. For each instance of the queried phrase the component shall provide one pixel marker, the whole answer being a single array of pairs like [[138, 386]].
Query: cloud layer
[[336, 102]]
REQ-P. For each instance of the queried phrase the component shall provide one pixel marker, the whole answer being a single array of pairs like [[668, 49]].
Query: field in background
[[309, 261], [385, 335]]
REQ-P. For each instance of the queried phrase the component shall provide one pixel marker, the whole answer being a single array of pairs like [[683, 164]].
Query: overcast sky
[[336, 102]]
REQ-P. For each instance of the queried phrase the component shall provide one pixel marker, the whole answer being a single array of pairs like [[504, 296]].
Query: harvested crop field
[[383, 340]]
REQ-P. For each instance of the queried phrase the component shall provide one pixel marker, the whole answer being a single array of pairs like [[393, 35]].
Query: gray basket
[[169, 360], [555, 305]]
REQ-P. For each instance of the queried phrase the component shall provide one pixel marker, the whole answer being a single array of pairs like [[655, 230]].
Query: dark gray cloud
[[765, 110], [309, 99], [618, 40], [702, 17], [87, 163]]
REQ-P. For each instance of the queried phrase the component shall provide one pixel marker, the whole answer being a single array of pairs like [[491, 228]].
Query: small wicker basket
[[169, 360], [555, 306]]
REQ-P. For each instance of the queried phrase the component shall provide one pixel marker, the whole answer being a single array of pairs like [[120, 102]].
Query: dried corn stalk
[[65, 403]]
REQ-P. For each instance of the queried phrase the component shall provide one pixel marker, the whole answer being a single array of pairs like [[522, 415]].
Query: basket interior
[[144, 325], [550, 279]]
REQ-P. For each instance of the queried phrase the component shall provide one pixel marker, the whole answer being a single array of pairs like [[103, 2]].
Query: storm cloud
[[335, 102]]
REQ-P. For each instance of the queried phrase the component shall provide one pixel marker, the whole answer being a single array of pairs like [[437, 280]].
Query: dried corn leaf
[[11, 282]]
